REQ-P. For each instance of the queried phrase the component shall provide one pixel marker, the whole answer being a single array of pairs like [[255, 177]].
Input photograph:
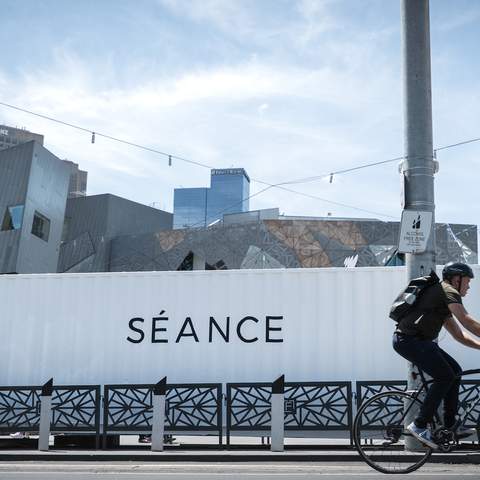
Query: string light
[[270, 185]]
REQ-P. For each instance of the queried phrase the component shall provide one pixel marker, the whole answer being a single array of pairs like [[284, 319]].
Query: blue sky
[[285, 89]]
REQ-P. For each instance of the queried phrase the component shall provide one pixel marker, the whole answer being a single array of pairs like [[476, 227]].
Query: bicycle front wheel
[[379, 433]]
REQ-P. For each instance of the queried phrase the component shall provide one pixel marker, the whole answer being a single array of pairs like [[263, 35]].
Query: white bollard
[[278, 415], [158, 420], [45, 416]]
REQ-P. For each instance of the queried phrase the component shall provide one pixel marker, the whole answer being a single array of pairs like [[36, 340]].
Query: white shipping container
[[326, 324]]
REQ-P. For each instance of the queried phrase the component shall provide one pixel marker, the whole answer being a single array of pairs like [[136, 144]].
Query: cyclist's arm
[[460, 335], [465, 318]]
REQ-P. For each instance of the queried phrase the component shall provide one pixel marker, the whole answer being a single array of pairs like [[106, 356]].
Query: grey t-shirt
[[430, 312]]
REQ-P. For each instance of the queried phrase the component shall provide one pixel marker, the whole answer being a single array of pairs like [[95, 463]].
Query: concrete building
[[78, 181], [200, 207], [92, 222], [11, 137], [33, 194]]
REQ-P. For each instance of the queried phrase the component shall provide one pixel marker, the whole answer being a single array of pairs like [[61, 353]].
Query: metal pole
[[45, 415], [278, 415], [158, 420], [419, 166]]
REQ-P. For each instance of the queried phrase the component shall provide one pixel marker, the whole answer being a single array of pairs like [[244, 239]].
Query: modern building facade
[[229, 192], [33, 194], [92, 222], [200, 207], [283, 243], [78, 181], [190, 207], [11, 137]]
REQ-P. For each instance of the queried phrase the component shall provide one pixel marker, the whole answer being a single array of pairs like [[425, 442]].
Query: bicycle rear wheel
[[379, 433]]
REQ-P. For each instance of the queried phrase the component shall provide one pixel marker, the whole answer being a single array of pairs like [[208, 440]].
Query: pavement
[[219, 471], [206, 450]]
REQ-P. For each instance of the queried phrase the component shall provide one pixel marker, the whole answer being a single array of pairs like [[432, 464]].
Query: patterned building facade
[[283, 243]]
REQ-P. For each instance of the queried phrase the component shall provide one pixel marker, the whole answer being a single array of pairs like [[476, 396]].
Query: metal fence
[[469, 391], [197, 408], [308, 406], [364, 390], [74, 409], [189, 408]]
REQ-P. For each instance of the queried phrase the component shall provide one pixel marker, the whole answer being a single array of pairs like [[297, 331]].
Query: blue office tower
[[200, 207], [228, 193], [189, 207]]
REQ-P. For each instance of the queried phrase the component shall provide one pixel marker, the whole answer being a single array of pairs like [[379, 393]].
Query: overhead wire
[[172, 156], [280, 185], [95, 134]]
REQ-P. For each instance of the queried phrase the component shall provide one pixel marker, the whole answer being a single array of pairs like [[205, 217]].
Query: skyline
[[284, 89]]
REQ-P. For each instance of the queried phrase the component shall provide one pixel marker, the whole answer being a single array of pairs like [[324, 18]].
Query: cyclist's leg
[[450, 401], [428, 357]]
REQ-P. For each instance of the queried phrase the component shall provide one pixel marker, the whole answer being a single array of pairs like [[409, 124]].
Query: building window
[[13, 217], [41, 226]]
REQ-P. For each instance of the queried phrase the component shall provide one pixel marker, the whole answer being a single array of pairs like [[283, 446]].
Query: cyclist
[[414, 337]]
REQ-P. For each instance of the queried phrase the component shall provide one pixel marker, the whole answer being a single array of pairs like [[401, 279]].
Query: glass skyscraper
[[199, 207], [189, 207]]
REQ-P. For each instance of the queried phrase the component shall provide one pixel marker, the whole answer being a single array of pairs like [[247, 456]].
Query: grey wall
[[95, 220], [126, 217], [46, 193], [14, 173], [32, 176]]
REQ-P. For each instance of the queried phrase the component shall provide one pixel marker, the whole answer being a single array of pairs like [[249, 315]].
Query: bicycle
[[379, 429]]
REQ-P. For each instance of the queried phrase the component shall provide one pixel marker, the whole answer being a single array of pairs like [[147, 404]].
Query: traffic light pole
[[419, 166]]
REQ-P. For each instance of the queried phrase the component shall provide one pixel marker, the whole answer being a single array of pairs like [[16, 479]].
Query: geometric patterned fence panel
[[469, 393], [307, 406], [192, 407], [318, 406], [380, 414], [74, 409], [365, 390], [248, 406], [19, 409]]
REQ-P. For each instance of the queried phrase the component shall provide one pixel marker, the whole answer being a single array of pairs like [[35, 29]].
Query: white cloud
[[203, 115], [232, 16], [306, 102], [262, 109], [458, 19]]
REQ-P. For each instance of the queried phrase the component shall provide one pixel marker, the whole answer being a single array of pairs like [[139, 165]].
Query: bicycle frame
[[424, 387]]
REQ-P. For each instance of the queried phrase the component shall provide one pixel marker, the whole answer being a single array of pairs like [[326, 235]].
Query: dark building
[[33, 194], [92, 222], [199, 207]]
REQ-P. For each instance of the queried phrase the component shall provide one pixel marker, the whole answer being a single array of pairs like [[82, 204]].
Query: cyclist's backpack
[[405, 302]]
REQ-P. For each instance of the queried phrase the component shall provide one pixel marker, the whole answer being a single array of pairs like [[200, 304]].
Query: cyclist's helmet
[[456, 268]]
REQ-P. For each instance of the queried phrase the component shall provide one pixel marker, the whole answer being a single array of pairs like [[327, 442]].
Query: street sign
[[414, 231]]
